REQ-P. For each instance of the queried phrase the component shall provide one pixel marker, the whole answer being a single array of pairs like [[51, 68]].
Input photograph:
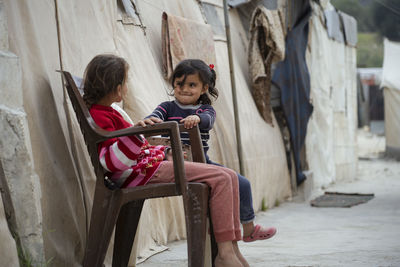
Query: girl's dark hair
[[102, 76], [207, 76]]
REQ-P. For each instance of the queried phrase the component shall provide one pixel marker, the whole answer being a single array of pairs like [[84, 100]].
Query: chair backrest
[[92, 133]]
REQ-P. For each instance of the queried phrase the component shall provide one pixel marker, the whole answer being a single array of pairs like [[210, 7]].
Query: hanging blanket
[[183, 38], [293, 79], [266, 46]]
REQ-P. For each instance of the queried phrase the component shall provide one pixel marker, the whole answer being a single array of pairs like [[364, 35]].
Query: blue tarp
[[293, 79]]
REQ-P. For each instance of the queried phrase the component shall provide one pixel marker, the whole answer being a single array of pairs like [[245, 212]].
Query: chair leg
[[106, 206], [214, 247], [197, 224], [125, 231]]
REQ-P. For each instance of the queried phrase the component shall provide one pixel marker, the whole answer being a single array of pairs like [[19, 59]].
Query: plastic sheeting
[[392, 121], [350, 29], [235, 3], [293, 79], [319, 140], [345, 122], [331, 135], [212, 18], [61, 161], [391, 85], [333, 25], [390, 72]]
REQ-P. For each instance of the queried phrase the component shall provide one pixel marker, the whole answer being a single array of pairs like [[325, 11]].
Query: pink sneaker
[[260, 234]]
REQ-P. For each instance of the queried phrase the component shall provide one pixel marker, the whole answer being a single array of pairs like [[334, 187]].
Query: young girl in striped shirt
[[192, 81], [131, 161]]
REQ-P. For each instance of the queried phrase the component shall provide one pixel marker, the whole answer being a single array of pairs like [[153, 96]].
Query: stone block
[[21, 182], [8, 249]]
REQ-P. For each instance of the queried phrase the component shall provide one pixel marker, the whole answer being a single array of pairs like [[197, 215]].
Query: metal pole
[[234, 98]]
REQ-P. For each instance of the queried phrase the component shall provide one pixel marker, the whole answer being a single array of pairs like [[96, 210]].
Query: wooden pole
[[233, 83]]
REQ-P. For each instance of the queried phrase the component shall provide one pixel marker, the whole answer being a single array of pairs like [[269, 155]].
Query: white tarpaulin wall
[[319, 138], [391, 94], [88, 28], [331, 133]]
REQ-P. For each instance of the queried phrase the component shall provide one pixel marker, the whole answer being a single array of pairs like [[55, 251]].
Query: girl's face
[[116, 95], [188, 93], [122, 90]]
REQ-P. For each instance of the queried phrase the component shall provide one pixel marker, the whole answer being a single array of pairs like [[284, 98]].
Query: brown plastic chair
[[122, 207]]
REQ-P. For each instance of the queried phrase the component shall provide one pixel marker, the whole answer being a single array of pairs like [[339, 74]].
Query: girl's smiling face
[[187, 91]]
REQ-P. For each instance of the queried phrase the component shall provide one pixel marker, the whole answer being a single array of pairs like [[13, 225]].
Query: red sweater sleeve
[[123, 153]]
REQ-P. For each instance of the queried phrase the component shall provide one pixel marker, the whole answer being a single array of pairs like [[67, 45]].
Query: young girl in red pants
[[131, 161]]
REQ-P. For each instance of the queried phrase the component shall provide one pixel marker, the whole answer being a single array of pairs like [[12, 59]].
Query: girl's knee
[[231, 173], [226, 177], [232, 176]]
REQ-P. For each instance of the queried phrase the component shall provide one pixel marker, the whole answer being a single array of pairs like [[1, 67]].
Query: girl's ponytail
[[211, 86]]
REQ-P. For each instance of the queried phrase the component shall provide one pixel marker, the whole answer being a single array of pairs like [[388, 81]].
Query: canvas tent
[[391, 94], [45, 36]]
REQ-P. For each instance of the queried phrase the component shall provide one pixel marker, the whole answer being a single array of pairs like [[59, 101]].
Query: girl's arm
[[159, 114], [149, 121], [122, 153], [119, 154], [204, 117], [207, 117]]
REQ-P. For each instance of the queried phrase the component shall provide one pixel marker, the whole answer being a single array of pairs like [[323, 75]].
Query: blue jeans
[[246, 199]]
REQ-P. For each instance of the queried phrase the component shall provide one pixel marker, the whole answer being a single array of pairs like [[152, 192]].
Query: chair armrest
[[195, 143], [170, 128], [195, 149], [150, 130]]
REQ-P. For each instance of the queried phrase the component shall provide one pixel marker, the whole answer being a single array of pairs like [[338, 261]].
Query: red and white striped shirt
[[129, 157]]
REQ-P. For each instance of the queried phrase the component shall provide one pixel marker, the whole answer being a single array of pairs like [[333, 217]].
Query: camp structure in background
[[370, 97], [391, 94]]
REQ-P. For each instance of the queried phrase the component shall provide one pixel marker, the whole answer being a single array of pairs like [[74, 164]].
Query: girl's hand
[[149, 121], [190, 121]]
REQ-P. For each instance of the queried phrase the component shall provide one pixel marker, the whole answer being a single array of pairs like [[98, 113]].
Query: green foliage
[[264, 207], [369, 50], [374, 20], [362, 13], [277, 203], [386, 17], [26, 260], [382, 16]]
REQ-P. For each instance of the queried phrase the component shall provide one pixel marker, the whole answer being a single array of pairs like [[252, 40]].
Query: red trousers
[[224, 199]]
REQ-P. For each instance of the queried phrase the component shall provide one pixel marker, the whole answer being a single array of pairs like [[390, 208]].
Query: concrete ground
[[364, 235]]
